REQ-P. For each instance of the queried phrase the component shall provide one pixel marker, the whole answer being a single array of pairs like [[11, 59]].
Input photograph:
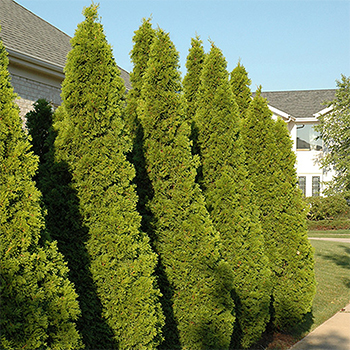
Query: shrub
[[39, 305], [328, 208], [336, 224]]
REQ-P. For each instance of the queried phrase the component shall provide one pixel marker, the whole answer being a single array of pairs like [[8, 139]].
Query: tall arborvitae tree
[[91, 140], [229, 197], [185, 238], [139, 55], [240, 87], [38, 303], [271, 164], [191, 81], [63, 221]]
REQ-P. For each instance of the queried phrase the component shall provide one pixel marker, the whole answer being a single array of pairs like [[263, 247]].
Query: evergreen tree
[[142, 39], [271, 164], [240, 88], [92, 142], [184, 236], [38, 303], [38, 122], [191, 81], [139, 55], [229, 197], [64, 221]]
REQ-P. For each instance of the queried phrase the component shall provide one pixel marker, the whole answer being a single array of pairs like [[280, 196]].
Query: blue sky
[[284, 44]]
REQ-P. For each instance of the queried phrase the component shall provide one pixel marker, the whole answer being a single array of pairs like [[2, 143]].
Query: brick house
[[37, 53]]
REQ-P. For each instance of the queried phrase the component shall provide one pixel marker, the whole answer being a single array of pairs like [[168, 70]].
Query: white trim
[[33, 63], [281, 114], [324, 111], [306, 120]]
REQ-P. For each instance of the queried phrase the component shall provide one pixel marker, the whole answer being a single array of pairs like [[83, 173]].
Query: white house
[[37, 54], [300, 110]]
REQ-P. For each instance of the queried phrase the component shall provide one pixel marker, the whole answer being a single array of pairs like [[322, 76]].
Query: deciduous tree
[[335, 133]]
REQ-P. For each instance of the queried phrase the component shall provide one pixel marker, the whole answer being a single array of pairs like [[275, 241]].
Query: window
[[302, 184], [315, 185], [308, 138]]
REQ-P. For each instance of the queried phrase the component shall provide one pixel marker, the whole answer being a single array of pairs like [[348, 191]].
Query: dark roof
[[299, 104], [26, 33]]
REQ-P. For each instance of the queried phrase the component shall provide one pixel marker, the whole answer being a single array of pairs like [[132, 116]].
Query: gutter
[[32, 63], [284, 115], [324, 111]]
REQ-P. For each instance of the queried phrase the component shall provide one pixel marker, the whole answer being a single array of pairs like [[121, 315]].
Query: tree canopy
[[335, 131]]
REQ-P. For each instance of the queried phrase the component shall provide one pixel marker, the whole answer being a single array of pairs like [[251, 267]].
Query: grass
[[332, 268], [330, 233], [333, 279]]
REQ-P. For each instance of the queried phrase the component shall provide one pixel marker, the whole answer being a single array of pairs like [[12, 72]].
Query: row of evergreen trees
[[169, 218]]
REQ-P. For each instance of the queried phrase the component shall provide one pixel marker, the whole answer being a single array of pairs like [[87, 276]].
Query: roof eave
[[323, 112], [282, 114], [33, 63]]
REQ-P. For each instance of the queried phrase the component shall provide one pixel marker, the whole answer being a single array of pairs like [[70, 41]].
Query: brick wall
[[30, 91]]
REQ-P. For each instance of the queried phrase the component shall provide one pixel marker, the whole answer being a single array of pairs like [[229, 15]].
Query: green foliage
[[38, 303], [331, 212], [335, 131], [38, 122], [282, 213], [330, 207], [229, 198], [63, 221], [334, 224], [196, 281], [91, 140], [240, 88], [139, 55], [191, 81]]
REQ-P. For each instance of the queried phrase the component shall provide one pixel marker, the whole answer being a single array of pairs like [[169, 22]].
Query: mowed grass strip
[[333, 279], [329, 233]]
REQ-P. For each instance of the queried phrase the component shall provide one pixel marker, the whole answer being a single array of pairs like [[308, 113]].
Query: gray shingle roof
[[299, 104], [24, 32]]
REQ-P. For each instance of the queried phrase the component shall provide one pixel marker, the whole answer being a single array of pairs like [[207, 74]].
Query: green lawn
[[333, 279], [332, 267], [330, 233]]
